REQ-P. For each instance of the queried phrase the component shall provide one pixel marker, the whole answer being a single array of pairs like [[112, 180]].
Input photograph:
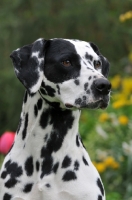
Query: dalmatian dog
[[48, 160]]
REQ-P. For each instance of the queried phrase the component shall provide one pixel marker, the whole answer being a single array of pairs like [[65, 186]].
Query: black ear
[[105, 62], [105, 66], [28, 62], [95, 48]]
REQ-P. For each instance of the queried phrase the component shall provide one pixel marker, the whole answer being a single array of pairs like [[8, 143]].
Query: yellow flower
[[100, 166], [110, 162], [127, 86], [125, 16], [103, 117], [123, 120], [116, 82], [122, 18], [120, 103], [115, 165]]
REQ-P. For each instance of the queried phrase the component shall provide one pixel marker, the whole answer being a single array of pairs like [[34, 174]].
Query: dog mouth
[[99, 104]]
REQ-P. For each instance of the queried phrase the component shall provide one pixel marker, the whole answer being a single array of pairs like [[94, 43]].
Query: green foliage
[[10, 100]]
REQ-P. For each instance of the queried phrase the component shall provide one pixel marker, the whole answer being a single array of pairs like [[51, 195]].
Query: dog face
[[68, 73]]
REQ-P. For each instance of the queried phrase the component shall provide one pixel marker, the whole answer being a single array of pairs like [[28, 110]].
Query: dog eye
[[66, 63], [97, 64]]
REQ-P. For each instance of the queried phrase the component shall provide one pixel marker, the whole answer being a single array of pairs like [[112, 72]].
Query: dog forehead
[[60, 45], [82, 48]]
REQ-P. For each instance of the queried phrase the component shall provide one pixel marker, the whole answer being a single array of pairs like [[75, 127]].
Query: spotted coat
[[48, 160]]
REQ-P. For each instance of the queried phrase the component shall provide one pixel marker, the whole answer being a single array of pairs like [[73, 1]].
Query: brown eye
[[66, 63], [97, 64]]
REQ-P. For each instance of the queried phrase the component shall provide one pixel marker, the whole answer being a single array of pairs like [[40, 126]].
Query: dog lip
[[69, 105], [103, 104], [96, 104]]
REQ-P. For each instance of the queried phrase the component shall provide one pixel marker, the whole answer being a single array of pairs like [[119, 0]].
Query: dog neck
[[42, 125]]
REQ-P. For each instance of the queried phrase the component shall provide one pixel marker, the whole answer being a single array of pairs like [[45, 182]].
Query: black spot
[[47, 90], [44, 152], [88, 57], [44, 118], [25, 127], [89, 77], [66, 162], [95, 76], [58, 89], [77, 82], [43, 84], [14, 171], [11, 183], [55, 167], [100, 186], [27, 187], [47, 165], [76, 165], [29, 166], [84, 63], [85, 86], [85, 161], [19, 125], [47, 185], [35, 111], [4, 174], [7, 163], [99, 197], [43, 91], [31, 94], [50, 91], [84, 98], [61, 122], [69, 176], [55, 105], [25, 97], [78, 101], [89, 67], [39, 104], [46, 137], [37, 166], [77, 141], [7, 196], [88, 91], [57, 51]]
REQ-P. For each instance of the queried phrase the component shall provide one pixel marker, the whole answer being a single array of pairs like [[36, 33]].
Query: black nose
[[102, 85]]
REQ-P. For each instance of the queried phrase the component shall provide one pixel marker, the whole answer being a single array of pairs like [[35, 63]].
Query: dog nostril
[[102, 85]]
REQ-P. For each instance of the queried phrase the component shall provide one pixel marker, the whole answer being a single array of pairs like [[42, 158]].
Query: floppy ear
[[105, 62], [28, 62]]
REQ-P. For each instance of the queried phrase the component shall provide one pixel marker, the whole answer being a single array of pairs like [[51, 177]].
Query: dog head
[[70, 73]]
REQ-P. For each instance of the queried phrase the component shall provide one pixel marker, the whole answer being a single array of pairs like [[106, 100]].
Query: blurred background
[[107, 135]]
